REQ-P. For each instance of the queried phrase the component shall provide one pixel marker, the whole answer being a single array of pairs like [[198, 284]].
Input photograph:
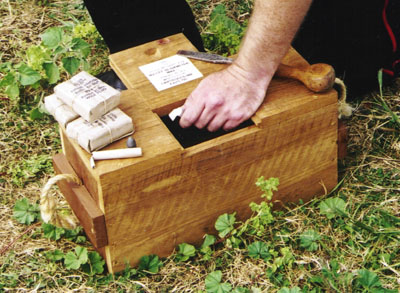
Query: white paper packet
[[60, 111], [105, 130], [88, 96]]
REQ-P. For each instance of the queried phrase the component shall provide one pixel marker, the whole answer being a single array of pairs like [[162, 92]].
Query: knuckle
[[216, 102], [237, 116]]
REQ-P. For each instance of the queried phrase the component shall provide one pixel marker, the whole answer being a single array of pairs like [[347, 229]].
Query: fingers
[[234, 120], [199, 110], [213, 107], [191, 112], [216, 123], [230, 124]]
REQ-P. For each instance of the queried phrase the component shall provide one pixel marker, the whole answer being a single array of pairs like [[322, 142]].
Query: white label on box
[[170, 72]]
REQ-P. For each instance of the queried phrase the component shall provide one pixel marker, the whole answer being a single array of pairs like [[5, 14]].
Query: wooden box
[[149, 205]]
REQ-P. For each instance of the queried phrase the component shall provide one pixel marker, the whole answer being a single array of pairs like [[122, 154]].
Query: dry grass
[[370, 188]]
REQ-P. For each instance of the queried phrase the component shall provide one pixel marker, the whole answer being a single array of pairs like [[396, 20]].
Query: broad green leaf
[[333, 207], [5, 66], [242, 290], [80, 45], [36, 114], [368, 279], [224, 224], [291, 290], [52, 232], [233, 242], [75, 260], [95, 264], [71, 64], [214, 285], [60, 50], [185, 251], [258, 249], [208, 241], [7, 80], [52, 72], [150, 263], [12, 91], [52, 37], [72, 234], [28, 76], [24, 212], [85, 65], [308, 240], [55, 255]]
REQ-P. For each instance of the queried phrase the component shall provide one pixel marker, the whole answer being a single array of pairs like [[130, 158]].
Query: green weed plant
[[223, 34], [63, 50]]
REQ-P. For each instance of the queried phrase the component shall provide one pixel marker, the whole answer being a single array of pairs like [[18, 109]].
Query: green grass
[[345, 242]]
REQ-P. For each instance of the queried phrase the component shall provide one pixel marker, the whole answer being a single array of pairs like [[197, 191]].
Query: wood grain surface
[[173, 194], [84, 207]]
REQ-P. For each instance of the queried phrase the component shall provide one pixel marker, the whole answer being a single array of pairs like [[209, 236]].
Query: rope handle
[[48, 204], [345, 110]]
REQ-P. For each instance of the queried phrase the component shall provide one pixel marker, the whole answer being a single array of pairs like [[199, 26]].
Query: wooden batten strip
[[90, 216]]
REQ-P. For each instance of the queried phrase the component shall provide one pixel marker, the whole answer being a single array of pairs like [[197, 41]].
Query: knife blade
[[207, 57], [318, 77]]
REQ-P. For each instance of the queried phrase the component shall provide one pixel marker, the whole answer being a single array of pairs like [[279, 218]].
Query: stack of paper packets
[[86, 107]]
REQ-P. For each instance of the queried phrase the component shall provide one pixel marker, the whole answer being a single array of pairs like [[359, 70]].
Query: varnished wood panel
[[173, 194], [84, 207]]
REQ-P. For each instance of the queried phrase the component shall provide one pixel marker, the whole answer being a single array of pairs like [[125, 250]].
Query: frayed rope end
[[345, 110], [48, 204]]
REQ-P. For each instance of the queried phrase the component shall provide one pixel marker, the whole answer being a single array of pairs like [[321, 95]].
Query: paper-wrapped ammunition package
[[105, 130], [88, 96], [60, 111]]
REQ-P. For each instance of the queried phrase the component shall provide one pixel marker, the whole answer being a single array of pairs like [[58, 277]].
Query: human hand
[[224, 99]]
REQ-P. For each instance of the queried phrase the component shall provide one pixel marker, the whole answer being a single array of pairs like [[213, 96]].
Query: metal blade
[[206, 57]]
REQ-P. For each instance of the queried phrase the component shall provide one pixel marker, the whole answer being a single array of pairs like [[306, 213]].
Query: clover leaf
[[258, 249], [75, 260], [214, 285], [150, 263], [333, 207], [25, 212], [308, 240], [224, 224]]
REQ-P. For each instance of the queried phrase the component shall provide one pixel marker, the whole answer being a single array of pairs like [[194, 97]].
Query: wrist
[[258, 77]]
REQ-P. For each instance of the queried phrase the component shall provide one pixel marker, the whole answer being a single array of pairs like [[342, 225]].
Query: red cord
[[392, 38], [389, 72], [388, 28], [395, 63]]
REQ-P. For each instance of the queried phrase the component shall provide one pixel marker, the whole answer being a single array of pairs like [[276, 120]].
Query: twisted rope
[[345, 110], [48, 204]]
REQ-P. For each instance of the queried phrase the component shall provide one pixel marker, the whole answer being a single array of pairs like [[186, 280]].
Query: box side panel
[[179, 200], [80, 167], [82, 203]]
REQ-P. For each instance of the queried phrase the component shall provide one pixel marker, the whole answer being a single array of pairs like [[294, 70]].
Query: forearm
[[272, 28]]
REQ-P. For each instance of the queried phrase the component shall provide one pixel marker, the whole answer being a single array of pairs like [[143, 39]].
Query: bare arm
[[231, 96]]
